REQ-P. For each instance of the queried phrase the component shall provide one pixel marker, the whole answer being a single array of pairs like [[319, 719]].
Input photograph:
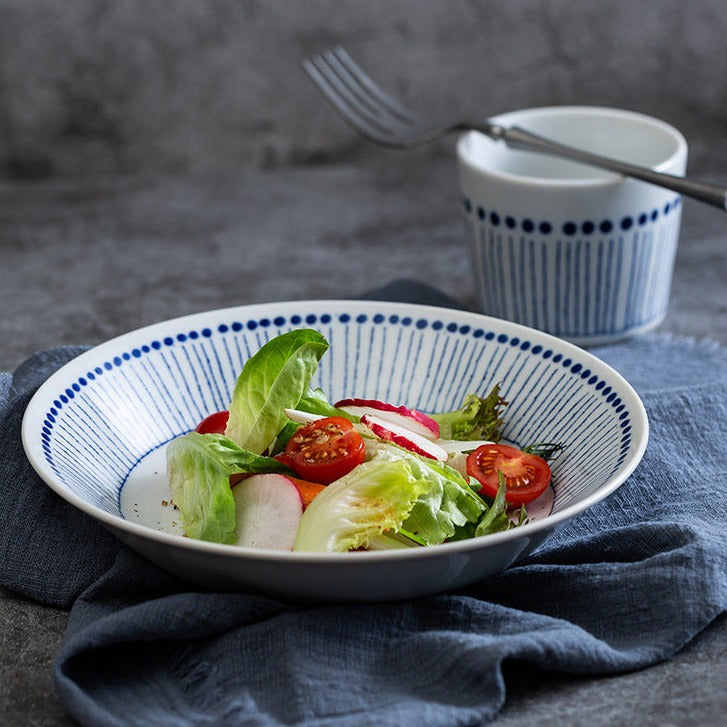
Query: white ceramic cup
[[584, 254]]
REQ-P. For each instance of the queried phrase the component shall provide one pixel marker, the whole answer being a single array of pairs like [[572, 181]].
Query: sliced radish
[[404, 437], [268, 509], [402, 416], [455, 446], [302, 417]]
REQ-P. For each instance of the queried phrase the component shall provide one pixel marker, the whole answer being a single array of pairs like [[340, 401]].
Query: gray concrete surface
[[97, 86], [86, 260], [158, 159]]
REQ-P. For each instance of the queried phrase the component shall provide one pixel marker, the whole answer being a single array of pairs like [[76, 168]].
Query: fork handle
[[518, 138]]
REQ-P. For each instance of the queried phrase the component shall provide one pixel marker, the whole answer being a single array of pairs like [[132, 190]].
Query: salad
[[285, 468]]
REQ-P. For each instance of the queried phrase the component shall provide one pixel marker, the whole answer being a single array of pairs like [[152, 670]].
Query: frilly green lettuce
[[394, 492], [477, 418], [376, 496]]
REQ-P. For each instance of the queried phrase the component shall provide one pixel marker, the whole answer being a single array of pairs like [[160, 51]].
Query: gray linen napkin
[[622, 586]]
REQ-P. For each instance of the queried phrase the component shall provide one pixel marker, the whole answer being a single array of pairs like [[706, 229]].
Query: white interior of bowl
[[623, 135], [94, 421]]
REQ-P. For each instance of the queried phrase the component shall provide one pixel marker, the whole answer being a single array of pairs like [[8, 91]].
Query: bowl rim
[[38, 405], [606, 180]]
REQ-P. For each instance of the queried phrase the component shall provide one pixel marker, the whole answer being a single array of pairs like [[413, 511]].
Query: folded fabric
[[50, 551], [622, 586]]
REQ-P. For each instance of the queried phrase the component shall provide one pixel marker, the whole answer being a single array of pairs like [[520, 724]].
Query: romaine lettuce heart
[[276, 377]]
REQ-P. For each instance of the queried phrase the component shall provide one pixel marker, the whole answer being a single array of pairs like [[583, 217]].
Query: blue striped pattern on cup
[[583, 281]]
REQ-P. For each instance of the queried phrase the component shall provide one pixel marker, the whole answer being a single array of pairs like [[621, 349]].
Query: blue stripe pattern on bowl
[[107, 419]]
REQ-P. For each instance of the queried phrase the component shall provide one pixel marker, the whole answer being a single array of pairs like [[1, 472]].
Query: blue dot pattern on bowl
[[579, 279], [101, 425]]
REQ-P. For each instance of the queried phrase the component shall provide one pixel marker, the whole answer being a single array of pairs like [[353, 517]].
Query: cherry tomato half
[[526, 475], [324, 450], [214, 423]]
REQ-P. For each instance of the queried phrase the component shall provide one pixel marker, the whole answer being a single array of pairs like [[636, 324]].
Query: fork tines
[[361, 102]]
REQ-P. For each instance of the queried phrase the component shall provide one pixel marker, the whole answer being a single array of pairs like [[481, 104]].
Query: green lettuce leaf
[[199, 467], [273, 379], [393, 493], [477, 418], [316, 402], [447, 505], [376, 496], [496, 518]]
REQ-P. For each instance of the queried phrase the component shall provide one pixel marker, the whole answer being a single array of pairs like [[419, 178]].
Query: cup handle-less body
[[583, 253]]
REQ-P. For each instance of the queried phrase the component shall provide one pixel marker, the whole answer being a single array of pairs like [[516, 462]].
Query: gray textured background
[[170, 86], [159, 158]]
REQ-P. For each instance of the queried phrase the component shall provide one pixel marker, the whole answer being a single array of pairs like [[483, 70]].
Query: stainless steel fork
[[382, 119]]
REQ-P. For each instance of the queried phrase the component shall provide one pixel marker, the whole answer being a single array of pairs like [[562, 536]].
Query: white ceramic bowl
[[96, 431], [581, 253]]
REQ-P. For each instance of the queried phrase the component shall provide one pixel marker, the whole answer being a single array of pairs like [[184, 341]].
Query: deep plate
[[96, 429]]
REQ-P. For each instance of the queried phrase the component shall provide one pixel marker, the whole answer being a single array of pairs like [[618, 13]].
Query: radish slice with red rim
[[455, 446], [402, 416], [302, 417], [404, 437]]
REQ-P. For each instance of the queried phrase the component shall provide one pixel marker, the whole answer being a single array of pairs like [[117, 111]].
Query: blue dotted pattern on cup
[[570, 228], [586, 278], [101, 425]]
